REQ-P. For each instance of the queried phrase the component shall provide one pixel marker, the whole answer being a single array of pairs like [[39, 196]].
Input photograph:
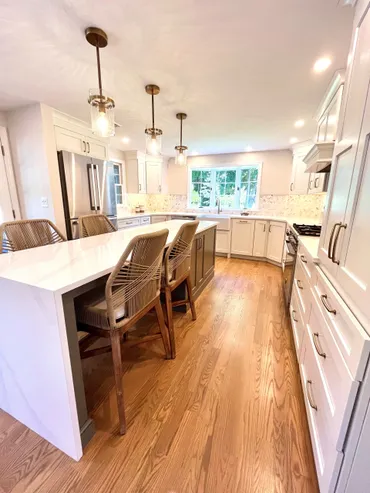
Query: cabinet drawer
[[307, 263], [297, 322], [348, 333], [302, 284], [327, 458], [128, 223], [145, 220], [338, 387]]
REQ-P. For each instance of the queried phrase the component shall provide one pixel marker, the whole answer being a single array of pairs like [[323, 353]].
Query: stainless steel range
[[290, 255]]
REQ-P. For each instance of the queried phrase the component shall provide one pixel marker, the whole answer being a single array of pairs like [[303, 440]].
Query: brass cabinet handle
[[84, 143], [324, 301], [270, 228], [246, 222], [331, 239], [291, 187], [309, 395], [88, 147], [309, 185], [317, 181], [299, 284], [293, 312], [303, 258], [315, 338], [264, 228], [335, 243]]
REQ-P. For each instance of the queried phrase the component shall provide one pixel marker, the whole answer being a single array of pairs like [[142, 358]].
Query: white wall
[[2, 119], [276, 169], [32, 142]]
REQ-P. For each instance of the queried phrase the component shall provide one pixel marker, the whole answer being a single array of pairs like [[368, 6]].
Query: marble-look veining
[[272, 205]]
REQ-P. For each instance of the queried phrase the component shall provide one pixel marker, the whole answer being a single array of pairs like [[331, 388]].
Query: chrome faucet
[[218, 203]]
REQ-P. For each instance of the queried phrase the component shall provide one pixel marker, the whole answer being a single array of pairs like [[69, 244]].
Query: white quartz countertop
[[311, 245], [65, 266]]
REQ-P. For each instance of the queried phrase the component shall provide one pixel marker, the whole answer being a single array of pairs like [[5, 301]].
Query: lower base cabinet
[[260, 238], [242, 236], [202, 260], [276, 239], [222, 241]]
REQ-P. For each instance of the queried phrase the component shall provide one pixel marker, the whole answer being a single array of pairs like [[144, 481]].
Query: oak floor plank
[[227, 416]]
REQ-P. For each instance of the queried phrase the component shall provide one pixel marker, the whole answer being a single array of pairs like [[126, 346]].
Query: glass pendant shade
[[181, 155], [153, 139], [102, 114]]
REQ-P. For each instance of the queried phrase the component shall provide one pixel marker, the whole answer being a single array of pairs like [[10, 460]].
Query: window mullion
[[238, 179]]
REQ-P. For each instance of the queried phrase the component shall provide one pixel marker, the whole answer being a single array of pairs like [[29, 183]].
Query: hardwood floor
[[226, 416]]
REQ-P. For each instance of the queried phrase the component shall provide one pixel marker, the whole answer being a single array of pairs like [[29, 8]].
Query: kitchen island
[[41, 381]]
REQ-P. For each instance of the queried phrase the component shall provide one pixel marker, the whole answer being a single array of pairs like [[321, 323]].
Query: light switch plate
[[44, 202]]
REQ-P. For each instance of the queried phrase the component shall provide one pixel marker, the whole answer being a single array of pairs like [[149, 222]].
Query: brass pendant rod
[[153, 126], [181, 132], [99, 72]]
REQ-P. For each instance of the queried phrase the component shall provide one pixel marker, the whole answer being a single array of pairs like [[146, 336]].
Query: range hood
[[319, 157]]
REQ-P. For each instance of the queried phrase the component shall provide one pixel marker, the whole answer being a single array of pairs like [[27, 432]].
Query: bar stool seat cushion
[[92, 309]]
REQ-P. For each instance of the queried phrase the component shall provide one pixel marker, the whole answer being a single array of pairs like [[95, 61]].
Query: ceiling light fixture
[[299, 124], [181, 150], [125, 140], [293, 140], [153, 135], [322, 64], [248, 149], [101, 106]]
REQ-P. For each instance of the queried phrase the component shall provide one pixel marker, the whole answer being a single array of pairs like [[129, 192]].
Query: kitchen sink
[[223, 221]]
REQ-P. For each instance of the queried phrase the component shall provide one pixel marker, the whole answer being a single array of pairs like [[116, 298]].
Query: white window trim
[[122, 181], [238, 169]]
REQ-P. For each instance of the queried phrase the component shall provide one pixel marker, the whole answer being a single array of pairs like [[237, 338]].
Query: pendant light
[[181, 150], [102, 107], [153, 135]]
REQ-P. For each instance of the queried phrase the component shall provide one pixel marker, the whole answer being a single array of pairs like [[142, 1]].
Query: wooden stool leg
[[164, 330], [170, 321], [190, 298], [115, 338]]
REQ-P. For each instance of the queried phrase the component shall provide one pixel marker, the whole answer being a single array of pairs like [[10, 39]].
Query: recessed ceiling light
[[293, 140], [299, 123], [125, 140], [322, 64], [194, 153], [248, 149]]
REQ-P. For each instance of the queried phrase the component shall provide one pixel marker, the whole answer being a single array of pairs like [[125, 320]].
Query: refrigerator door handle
[[92, 186], [96, 167]]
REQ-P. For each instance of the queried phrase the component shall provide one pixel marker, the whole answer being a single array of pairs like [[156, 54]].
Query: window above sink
[[235, 187]]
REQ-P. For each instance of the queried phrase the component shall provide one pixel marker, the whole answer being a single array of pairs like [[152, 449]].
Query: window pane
[[116, 179], [251, 201], [195, 176], [195, 195], [253, 174], [253, 188], [220, 176], [231, 176], [206, 176], [205, 195], [245, 175], [230, 189]]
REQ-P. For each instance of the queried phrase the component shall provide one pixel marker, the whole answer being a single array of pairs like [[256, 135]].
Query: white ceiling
[[241, 69]]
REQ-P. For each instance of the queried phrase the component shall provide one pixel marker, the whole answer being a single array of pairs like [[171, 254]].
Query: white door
[[300, 179], [153, 177], [222, 241], [141, 174], [276, 240], [260, 237], [97, 149], [6, 207], [242, 236], [70, 141]]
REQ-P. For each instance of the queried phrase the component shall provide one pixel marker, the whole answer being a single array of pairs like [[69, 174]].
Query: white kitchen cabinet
[[222, 241], [242, 236], [68, 140], [154, 176], [299, 178], [159, 219], [260, 238], [276, 239], [136, 172], [345, 239]]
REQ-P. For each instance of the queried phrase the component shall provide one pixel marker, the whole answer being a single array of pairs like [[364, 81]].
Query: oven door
[[290, 258]]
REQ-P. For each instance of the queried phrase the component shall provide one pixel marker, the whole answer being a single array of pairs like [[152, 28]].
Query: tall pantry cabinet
[[345, 240]]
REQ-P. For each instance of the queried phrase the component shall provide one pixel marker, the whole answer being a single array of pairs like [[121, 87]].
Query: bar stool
[[94, 224], [28, 233], [176, 270], [131, 291]]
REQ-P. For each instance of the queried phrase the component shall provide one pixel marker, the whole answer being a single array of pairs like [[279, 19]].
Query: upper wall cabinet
[[154, 174], [300, 179], [69, 140], [136, 172]]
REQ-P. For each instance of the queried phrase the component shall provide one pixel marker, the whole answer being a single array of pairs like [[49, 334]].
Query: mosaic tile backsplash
[[274, 205]]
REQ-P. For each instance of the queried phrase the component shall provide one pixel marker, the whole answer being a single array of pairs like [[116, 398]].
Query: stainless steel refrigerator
[[88, 187]]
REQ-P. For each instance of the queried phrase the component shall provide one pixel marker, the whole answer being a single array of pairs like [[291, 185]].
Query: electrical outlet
[[44, 202]]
